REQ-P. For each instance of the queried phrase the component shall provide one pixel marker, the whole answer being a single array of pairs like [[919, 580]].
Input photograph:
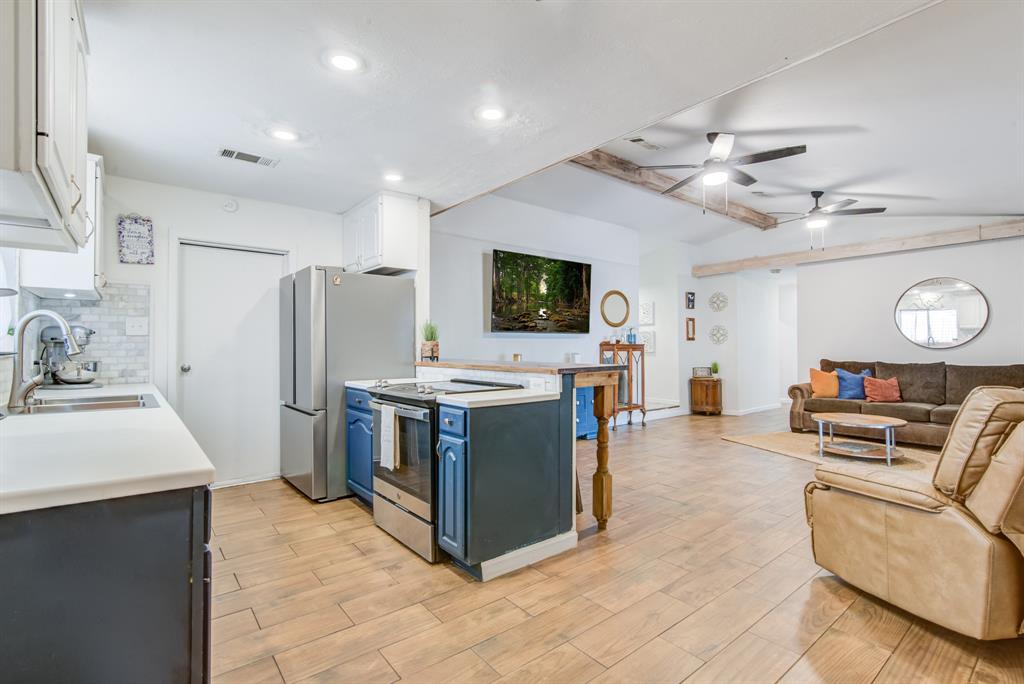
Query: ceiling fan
[[718, 168], [817, 216]]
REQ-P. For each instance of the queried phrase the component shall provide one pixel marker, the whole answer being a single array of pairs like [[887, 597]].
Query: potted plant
[[714, 368], [430, 348]]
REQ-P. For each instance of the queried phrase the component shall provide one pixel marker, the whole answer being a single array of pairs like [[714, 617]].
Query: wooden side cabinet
[[706, 396]]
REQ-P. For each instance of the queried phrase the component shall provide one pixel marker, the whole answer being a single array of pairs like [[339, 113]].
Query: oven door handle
[[415, 414]]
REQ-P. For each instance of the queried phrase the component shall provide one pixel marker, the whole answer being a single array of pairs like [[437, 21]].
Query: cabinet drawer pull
[[449, 422]]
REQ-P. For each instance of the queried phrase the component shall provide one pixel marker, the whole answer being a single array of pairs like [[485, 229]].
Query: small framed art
[[702, 371], [691, 299], [691, 329]]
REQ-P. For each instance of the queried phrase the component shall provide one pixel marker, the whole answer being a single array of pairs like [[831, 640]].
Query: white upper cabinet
[[381, 234], [43, 128], [59, 274]]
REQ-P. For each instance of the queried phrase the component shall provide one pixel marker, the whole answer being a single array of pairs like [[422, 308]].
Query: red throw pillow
[[882, 390]]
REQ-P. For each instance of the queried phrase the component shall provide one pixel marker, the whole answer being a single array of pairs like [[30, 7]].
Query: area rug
[[804, 445]]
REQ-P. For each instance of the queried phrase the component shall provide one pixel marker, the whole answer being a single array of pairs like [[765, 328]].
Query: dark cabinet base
[[107, 591]]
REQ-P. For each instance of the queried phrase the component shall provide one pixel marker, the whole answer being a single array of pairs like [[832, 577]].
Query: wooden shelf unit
[[633, 356]]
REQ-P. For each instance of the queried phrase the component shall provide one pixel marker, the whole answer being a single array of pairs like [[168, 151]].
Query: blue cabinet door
[[359, 448], [451, 496], [586, 422]]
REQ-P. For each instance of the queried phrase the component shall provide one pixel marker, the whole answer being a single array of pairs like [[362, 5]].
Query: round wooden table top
[[858, 420]]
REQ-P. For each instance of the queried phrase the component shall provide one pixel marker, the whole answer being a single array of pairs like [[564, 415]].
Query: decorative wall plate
[[646, 338], [646, 313], [718, 334], [718, 301]]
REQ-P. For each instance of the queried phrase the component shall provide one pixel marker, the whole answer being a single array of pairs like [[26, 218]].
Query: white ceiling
[[925, 116], [172, 82]]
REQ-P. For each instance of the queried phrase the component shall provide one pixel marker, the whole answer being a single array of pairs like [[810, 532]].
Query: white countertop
[[366, 384], [58, 459], [496, 398]]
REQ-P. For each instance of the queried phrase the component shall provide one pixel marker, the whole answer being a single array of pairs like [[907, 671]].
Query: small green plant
[[714, 367], [429, 331]]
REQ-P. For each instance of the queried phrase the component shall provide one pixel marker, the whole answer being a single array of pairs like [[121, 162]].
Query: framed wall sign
[[134, 239], [691, 329], [646, 315], [691, 299]]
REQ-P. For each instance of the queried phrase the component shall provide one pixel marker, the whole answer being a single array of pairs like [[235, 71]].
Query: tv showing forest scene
[[532, 293]]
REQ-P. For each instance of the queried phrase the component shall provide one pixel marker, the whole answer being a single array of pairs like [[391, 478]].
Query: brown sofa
[[932, 394], [944, 542]]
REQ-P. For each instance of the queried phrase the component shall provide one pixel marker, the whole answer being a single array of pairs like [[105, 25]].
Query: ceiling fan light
[[816, 223], [715, 178]]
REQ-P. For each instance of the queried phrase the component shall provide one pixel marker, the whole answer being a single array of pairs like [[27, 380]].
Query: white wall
[[461, 243], [789, 371], [309, 237], [659, 284], [846, 307]]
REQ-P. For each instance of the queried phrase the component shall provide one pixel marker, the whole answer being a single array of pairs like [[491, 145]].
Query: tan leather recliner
[[946, 545]]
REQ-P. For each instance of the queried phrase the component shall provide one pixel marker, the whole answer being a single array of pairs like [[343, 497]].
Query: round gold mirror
[[615, 308]]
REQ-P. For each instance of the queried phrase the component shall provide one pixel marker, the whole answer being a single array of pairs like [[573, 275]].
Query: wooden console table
[[633, 357]]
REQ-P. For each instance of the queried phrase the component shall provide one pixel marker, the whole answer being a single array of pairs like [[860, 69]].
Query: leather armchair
[[944, 544]]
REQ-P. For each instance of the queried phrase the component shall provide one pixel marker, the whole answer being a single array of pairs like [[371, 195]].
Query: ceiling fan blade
[[836, 206], [673, 166], [857, 212], [798, 218], [688, 179], [722, 146], [769, 155], [744, 179]]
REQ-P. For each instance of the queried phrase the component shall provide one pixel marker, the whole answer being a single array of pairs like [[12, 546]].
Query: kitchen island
[[562, 378], [105, 564]]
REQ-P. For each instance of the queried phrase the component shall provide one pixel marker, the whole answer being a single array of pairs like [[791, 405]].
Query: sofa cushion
[[945, 414], [829, 365], [910, 411], [824, 385], [882, 390], [919, 382], [851, 385], [960, 380], [819, 405]]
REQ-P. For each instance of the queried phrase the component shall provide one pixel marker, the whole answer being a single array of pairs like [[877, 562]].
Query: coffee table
[[858, 449]]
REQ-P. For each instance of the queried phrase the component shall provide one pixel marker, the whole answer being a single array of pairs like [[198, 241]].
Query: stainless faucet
[[22, 389]]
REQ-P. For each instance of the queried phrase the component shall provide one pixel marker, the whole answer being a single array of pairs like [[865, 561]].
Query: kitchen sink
[[62, 405]]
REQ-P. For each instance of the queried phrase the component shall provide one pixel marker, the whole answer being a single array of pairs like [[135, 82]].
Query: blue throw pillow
[[851, 385]]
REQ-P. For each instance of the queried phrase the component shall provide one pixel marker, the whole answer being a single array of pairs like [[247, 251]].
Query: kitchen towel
[[388, 438]]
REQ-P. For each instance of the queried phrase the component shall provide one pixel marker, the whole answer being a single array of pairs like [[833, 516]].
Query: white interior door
[[228, 360]]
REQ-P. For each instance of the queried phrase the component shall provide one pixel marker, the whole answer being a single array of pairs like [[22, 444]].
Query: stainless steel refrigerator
[[335, 326]]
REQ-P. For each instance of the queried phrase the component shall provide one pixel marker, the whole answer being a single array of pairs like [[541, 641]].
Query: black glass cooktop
[[425, 393]]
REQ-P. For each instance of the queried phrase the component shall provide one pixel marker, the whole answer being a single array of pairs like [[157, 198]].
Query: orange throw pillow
[[824, 385], [882, 390]]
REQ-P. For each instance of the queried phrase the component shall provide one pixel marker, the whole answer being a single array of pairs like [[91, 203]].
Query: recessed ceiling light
[[393, 177], [816, 223], [344, 61], [490, 113], [284, 134]]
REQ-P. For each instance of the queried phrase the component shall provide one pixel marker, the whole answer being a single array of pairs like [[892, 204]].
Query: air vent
[[647, 145], [246, 157]]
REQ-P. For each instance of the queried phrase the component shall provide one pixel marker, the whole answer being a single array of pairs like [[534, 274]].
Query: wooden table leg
[[604, 406]]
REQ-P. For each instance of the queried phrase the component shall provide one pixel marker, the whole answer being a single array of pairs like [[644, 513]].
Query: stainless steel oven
[[403, 498]]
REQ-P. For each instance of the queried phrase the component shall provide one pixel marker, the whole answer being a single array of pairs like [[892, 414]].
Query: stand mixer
[[61, 371]]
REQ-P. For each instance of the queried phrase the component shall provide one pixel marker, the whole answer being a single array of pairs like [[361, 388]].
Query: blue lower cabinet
[[586, 421], [451, 496], [359, 452]]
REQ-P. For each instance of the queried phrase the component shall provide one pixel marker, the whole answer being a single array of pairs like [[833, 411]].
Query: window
[[929, 326]]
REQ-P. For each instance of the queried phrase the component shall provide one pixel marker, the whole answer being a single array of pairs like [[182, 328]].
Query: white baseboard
[[245, 480], [534, 553], [755, 409]]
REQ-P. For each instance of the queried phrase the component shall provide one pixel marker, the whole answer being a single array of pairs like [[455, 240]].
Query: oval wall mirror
[[615, 308], [941, 312]]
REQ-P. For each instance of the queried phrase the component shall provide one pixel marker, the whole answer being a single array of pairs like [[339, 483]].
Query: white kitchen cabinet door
[[381, 234], [350, 231], [370, 247], [60, 110]]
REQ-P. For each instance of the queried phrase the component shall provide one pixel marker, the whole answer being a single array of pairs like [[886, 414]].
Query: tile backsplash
[[123, 358]]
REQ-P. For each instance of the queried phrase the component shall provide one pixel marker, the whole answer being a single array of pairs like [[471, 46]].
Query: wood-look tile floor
[[703, 575]]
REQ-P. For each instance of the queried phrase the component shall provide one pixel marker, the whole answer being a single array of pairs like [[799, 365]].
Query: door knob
[[185, 368]]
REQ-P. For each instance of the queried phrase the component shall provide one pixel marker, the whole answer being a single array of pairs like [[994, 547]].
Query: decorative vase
[[430, 351]]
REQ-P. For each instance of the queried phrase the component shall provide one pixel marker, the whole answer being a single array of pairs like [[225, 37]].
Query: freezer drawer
[[304, 450]]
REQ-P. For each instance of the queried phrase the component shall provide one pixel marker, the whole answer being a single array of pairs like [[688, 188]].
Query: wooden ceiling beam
[[978, 233], [625, 170]]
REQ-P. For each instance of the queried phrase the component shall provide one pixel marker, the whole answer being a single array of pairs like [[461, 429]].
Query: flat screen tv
[[532, 293]]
